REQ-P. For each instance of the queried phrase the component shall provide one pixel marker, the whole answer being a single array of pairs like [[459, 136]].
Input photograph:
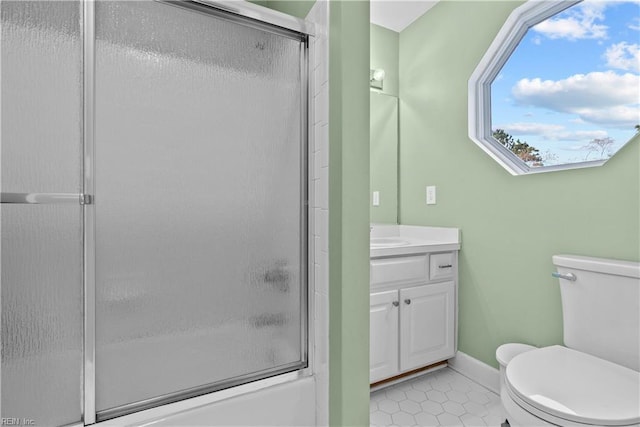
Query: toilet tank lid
[[600, 265]]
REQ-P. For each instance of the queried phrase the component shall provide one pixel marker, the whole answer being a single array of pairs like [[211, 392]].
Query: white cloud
[[624, 117], [595, 89], [581, 135], [604, 98], [634, 25], [529, 128], [552, 132], [578, 22], [623, 56]]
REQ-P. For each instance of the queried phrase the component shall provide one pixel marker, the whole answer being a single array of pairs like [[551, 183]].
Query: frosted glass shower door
[[40, 213], [200, 204]]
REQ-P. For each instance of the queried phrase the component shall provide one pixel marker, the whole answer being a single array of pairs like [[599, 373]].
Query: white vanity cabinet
[[412, 312]]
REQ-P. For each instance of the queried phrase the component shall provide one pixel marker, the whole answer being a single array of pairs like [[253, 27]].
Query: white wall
[[319, 195]]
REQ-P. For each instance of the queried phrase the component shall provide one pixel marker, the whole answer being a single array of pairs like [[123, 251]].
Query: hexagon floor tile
[[455, 400]]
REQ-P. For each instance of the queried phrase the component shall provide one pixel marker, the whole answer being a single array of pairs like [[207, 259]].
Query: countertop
[[418, 239]]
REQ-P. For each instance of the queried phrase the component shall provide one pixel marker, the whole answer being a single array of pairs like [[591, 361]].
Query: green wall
[[384, 51], [349, 213], [297, 8], [511, 226]]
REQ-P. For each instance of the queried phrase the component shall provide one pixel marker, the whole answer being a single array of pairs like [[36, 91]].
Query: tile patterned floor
[[440, 398]]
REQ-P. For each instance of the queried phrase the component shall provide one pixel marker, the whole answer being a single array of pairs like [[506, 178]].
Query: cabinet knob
[[395, 303], [407, 301]]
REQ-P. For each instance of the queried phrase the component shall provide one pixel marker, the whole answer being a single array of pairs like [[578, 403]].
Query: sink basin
[[387, 242]]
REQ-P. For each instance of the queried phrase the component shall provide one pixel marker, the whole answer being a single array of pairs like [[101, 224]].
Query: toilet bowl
[[561, 386], [593, 380]]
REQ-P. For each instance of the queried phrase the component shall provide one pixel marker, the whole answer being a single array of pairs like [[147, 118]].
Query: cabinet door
[[383, 343], [427, 320]]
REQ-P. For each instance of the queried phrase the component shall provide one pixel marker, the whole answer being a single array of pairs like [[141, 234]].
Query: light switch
[[431, 195], [376, 198]]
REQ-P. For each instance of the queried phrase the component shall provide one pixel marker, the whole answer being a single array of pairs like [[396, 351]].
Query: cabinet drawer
[[441, 266], [399, 270]]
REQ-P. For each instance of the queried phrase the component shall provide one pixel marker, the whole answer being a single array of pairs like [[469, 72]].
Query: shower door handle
[[45, 198]]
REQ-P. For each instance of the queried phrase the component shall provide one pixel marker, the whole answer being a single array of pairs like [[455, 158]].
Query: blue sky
[[573, 78]]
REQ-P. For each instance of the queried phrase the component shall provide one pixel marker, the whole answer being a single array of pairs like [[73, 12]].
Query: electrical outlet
[[376, 198], [431, 195]]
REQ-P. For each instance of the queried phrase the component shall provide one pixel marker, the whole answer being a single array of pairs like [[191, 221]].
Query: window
[[559, 87]]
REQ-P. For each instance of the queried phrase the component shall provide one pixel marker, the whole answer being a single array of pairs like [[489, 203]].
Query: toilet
[[594, 379]]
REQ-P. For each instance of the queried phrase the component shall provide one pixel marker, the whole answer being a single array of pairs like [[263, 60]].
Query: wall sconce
[[376, 77]]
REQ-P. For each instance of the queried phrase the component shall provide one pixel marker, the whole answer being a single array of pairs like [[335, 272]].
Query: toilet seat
[[560, 383]]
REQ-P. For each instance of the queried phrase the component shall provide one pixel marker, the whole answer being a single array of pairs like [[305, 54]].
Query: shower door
[[154, 205], [40, 214], [200, 194]]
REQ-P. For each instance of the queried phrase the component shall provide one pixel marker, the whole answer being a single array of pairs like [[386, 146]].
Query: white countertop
[[415, 239]]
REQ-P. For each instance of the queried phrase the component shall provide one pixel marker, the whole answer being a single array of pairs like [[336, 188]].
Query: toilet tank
[[601, 308]]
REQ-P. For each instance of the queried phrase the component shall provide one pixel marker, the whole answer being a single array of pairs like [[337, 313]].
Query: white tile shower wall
[[319, 201]]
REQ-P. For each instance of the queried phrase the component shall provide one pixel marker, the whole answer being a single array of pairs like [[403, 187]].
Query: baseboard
[[485, 375]]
